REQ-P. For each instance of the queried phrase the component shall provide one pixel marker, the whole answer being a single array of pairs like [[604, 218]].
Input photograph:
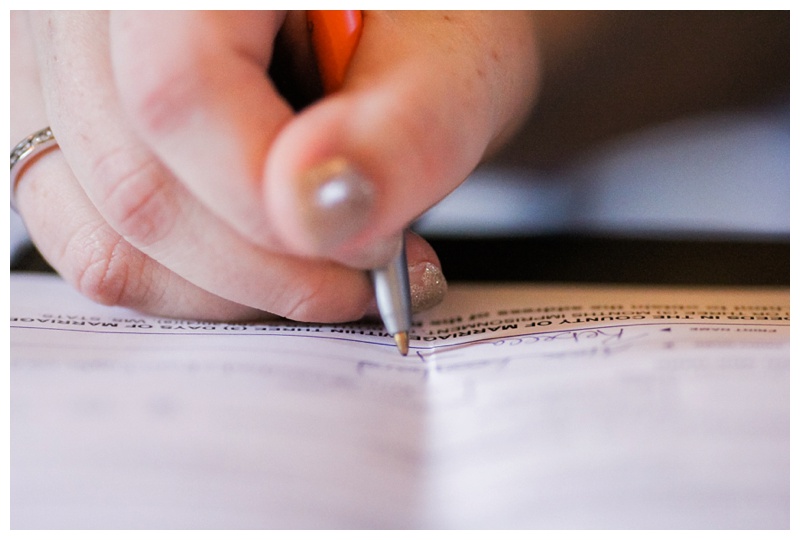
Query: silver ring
[[30, 147]]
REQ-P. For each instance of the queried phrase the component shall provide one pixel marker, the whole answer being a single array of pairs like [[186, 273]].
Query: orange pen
[[334, 37]]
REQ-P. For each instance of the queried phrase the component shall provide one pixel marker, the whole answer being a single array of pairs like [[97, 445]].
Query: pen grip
[[392, 293], [334, 37]]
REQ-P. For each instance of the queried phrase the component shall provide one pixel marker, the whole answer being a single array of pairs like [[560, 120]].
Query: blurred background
[[658, 152]]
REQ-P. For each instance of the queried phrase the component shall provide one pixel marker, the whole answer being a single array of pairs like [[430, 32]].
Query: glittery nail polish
[[337, 202], [428, 286]]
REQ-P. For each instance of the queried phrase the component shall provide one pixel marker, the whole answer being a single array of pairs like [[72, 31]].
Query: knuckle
[[104, 264], [320, 298], [302, 305], [135, 195], [166, 103]]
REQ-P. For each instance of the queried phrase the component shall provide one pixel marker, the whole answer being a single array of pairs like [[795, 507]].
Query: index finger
[[195, 86]]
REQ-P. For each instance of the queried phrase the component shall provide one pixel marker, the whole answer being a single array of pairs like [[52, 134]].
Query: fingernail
[[337, 202], [428, 286]]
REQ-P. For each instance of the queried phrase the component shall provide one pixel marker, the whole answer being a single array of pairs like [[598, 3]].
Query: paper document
[[520, 406]]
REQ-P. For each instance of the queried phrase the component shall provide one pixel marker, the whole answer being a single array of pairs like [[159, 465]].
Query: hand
[[185, 185]]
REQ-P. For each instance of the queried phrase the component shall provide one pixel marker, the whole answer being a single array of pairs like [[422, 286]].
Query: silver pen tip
[[401, 339]]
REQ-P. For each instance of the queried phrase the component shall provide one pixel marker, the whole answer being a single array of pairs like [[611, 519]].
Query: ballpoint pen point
[[340, 193], [401, 340]]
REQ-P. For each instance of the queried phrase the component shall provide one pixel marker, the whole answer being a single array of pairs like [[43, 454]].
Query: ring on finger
[[22, 154]]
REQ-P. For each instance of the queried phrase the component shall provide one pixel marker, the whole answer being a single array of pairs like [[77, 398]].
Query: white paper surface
[[518, 407]]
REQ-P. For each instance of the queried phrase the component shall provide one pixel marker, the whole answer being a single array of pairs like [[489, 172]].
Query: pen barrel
[[393, 294], [334, 37]]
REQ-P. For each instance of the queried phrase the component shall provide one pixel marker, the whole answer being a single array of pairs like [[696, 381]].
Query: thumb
[[425, 96]]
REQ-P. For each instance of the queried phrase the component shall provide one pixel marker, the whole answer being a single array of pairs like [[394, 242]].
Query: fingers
[[97, 261], [27, 111], [425, 96], [394, 141], [154, 213], [70, 233], [194, 86]]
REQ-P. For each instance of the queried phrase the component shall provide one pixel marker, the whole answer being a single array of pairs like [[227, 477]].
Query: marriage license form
[[519, 406]]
